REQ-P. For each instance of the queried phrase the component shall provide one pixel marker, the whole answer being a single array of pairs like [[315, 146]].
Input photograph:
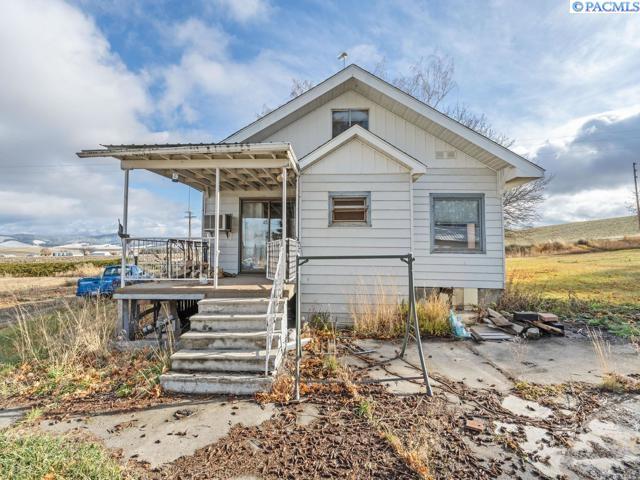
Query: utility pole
[[189, 214], [635, 181]]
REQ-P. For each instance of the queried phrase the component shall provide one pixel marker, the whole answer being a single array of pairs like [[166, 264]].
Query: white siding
[[335, 285], [462, 174], [230, 203]]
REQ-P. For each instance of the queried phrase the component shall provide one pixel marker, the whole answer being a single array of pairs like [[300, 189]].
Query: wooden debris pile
[[504, 326]]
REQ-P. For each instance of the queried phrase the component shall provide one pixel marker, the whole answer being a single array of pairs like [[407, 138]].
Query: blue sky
[[80, 73]]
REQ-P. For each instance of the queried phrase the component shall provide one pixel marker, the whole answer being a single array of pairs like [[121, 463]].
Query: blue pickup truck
[[106, 283]]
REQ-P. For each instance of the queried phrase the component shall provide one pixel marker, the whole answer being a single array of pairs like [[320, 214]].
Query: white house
[[366, 170]]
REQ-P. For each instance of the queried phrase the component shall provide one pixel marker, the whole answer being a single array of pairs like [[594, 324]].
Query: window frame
[[351, 223], [350, 124], [481, 221]]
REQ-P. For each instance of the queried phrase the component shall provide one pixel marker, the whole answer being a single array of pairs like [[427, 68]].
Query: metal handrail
[[292, 247], [168, 258], [272, 309]]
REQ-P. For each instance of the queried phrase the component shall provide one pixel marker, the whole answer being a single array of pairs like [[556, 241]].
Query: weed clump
[[385, 315], [48, 457]]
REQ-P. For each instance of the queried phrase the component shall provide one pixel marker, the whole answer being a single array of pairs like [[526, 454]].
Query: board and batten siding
[[462, 174], [337, 286]]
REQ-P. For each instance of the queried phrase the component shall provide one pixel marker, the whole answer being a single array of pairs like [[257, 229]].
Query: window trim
[[366, 195], [483, 234], [350, 124]]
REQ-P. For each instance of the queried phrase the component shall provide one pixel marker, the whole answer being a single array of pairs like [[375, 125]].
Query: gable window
[[457, 223], [349, 208], [343, 119]]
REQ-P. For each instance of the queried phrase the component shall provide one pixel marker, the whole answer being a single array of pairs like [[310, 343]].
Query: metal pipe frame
[[412, 316]]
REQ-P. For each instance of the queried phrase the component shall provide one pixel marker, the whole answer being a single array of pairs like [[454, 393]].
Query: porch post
[[216, 250], [284, 206], [124, 305], [125, 221]]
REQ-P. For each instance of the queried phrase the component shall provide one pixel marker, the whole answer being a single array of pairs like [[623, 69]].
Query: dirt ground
[[18, 290], [499, 410]]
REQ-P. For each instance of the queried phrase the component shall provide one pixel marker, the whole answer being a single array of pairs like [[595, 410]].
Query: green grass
[[602, 289], [571, 232], [36, 457]]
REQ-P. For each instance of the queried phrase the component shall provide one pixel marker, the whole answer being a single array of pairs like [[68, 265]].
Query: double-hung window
[[457, 223], [343, 119], [349, 208]]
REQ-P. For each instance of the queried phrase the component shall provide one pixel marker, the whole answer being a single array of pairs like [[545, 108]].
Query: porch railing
[[280, 255], [168, 258], [291, 251]]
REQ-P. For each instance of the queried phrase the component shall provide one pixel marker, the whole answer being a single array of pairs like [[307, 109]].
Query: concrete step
[[235, 305], [223, 360], [207, 322], [211, 383], [224, 340]]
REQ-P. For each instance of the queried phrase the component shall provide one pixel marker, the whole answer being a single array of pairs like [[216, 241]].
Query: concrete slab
[[526, 408], [552, 360], [453, 359], [307, 414], [9, 416], [164, 433]]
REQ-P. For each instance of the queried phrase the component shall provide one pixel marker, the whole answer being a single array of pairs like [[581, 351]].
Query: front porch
[[240, 286]]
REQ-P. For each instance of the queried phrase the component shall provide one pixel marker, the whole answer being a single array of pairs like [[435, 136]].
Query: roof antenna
[[343, 56]]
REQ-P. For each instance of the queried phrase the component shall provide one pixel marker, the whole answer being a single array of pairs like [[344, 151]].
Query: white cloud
[[586, 205], [207, 83], [63, 89], [244, 10]]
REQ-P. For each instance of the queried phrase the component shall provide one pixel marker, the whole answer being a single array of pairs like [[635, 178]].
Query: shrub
[[50, 268], [433, 315]]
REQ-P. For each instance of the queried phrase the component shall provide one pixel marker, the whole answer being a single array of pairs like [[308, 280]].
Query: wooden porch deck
[[240, 286]]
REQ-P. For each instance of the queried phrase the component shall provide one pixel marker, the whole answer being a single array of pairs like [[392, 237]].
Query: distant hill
[[29, 239], [571, 232]]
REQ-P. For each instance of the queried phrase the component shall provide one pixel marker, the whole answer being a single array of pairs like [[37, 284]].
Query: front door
[[261, 222]]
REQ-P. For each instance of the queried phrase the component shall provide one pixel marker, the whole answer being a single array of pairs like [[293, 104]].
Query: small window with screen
[[341, 120], [349, 208], [457, 223]]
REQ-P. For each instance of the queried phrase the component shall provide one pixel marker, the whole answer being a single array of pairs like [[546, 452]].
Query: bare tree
[[520, 204], [298, 87], [479, 123], [431, 80]]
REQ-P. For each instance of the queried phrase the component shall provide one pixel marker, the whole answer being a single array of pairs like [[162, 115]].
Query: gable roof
[[415, 167], [353, 77]]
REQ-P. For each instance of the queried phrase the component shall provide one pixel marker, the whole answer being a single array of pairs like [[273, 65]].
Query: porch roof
[[243, 166]]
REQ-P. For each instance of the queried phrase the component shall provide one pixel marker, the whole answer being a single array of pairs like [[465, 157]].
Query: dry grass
[[433, 315], [611, 381], [559, 247], [384, 315], [378, 317], [66, 337], [66, 355], [16, 290]]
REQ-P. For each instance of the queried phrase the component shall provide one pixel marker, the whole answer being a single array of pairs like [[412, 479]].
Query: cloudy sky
[[81, 73]]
